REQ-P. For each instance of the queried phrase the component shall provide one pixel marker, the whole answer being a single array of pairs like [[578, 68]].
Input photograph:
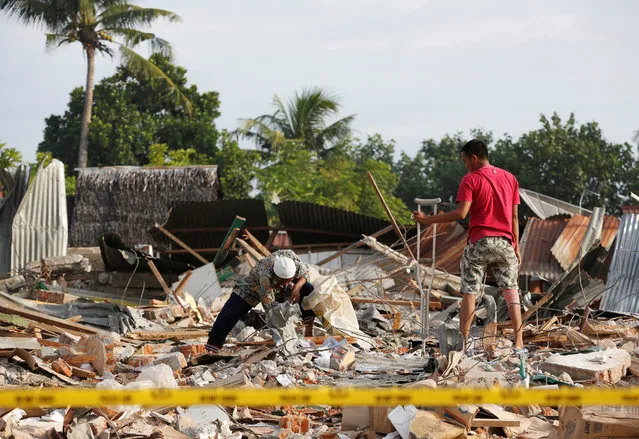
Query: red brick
[[297, 424], [62, 367], [193, 350], [48, 296], [140, 360]]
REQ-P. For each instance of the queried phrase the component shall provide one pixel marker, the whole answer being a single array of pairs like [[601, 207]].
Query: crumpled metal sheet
[[623, 278], [40, 225]]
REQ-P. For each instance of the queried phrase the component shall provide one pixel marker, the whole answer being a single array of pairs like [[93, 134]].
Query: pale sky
[[409, 69]]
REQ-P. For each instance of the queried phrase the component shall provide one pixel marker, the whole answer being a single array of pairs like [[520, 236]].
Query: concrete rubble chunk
[[342, 357], [607, 366], [174, 360]]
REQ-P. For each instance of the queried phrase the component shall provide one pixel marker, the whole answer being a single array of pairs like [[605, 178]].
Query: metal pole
[[425, 297]]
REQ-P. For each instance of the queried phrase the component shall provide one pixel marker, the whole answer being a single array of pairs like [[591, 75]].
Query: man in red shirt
[[491, 195]]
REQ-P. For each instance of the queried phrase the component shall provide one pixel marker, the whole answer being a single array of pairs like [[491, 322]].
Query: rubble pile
[[69, 321]]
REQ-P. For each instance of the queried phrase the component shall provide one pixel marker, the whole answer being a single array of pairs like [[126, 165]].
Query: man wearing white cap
[[269, 282]]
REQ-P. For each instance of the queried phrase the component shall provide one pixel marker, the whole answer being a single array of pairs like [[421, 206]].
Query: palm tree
[[303, 118], [94, 24]]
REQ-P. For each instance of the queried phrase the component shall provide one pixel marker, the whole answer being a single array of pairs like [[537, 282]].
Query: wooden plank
[[415, 303], [256, 243], [166, 335], [19, 342], [183, 282], [250, 250], [541, 302], [160, 279], [479, 422], [59, 324], [182, 244], [237, 223], [389, 213], [355, 245]]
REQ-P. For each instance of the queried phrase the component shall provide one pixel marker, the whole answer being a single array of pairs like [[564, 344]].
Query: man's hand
[[295, 294], [421, 218], [517, 254]]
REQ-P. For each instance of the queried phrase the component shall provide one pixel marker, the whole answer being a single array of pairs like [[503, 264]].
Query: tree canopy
[[130, 115], [306, 117], [100, 26]]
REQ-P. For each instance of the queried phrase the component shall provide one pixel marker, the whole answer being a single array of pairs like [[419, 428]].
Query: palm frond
[[337, 130], [134, 37], [130, 15], [54, 14], [53, 41], [149, 71]]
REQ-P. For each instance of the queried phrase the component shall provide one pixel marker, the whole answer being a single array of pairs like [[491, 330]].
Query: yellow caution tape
[[333, 396]]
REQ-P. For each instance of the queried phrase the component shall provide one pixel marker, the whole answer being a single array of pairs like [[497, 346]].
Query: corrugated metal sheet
[[40, 227], [450, 243], [569, 244], [536, 242], [14, 181], [623, 277], [545, 207], [309, 223]]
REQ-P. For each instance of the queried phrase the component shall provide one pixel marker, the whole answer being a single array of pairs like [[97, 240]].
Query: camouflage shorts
[[496, 252]]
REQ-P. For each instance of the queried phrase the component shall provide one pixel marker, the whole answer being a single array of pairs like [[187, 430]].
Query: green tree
[[295, 173], [442, 170], [9, 156], [130, 115], [237, 168], [306, 117], [561, 159], [95, 24]]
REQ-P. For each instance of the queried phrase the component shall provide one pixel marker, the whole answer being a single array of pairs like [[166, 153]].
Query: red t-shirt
[[492, 193]]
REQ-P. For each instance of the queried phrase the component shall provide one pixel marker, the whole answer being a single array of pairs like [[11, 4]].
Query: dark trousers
[[235, 308]]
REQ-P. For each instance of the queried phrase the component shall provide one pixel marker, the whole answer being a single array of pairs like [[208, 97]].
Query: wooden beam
[[182, 244], [389, 213], [166, 335], [497, 423], [59, 324], [541, 302], [256, 243], [355, 245], [415, 303], [250, 250], [237, 223], [160, 279]]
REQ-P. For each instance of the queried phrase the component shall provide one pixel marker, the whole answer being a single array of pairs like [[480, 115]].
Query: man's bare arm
[[445, 217]]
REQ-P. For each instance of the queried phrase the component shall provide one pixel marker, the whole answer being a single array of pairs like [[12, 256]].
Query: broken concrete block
[[607, 366], [160, 375], [48, 296], [634, 365], [174, 360], [342, 357]]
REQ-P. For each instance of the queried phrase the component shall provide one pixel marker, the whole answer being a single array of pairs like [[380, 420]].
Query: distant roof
[[544, 206]]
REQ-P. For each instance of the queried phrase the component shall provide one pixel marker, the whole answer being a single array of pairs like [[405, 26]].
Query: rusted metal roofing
[[630, 209], [622, 294], [308, 223], [449, 246], [569, 244], [545, 207], [40, 225], [536, 242]]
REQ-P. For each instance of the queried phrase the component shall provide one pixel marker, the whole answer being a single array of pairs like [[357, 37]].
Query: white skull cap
[[284, 267]]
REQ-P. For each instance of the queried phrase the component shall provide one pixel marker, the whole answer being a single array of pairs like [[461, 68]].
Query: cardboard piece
[[599, 422]]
